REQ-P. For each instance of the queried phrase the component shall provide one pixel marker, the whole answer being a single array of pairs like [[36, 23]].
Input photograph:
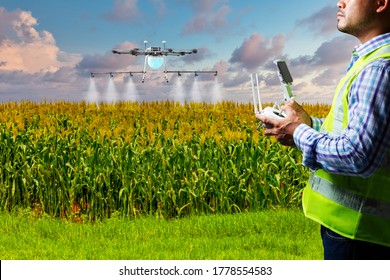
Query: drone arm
[[121, 52], [178, 53], [132, 52]]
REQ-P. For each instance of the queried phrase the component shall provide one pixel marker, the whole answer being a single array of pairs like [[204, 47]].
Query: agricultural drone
[[155, 58]]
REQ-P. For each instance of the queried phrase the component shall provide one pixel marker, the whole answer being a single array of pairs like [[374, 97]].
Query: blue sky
[[48, 48]]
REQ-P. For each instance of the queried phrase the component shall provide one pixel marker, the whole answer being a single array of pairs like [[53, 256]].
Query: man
[[349, 152]]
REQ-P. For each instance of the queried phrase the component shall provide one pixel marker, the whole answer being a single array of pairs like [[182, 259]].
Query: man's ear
[[382, 5]]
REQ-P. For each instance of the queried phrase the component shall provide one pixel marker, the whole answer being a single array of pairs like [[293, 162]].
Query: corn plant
[[83, 161]]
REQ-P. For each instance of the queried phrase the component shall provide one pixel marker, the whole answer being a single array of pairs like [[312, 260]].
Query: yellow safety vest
[[353, 206]]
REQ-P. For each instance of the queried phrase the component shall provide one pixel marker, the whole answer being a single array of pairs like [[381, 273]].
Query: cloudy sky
[[48, 48]]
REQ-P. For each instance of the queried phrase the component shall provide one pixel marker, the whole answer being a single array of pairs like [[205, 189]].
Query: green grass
[[268, 235]]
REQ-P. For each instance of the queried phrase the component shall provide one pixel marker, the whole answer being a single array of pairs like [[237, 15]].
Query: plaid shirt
[[365, 142]]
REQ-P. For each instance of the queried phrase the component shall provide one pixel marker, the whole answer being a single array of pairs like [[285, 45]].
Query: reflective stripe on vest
[[350, 199], [355, 207]]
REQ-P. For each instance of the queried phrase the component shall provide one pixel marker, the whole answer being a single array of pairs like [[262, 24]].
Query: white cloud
[[322, 22], [160, 7], [23, 48], [123, 11], [257, 50], [32, 66], [209, 17]]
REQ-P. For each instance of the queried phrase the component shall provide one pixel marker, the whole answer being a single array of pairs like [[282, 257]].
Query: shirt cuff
[[301, 134], [316, 123], [305, 138]]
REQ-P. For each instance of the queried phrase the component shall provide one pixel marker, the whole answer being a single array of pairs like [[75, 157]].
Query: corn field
[[86, 161]]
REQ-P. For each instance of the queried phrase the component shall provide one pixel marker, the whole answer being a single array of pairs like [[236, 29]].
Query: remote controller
[[286, 80]]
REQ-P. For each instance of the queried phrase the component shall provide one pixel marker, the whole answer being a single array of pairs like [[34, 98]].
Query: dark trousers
[[337, 247]]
